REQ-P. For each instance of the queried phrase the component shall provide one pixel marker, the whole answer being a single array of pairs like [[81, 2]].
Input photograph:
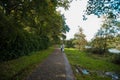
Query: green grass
[[90, 62], [18, 69]]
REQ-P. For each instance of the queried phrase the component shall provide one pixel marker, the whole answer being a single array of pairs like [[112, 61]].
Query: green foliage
[[65, 26], [118, 24], [99, 45], [69, 43], [101, 7], [106, 37], [79, 40], [16, 42], [116, 59], [20, 68], [29, 25], [90, 62]]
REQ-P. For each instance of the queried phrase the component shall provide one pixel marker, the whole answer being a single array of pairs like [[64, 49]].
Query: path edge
[[69, 72]]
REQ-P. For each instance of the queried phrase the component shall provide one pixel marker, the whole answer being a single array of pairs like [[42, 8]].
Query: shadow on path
[[55, 67]]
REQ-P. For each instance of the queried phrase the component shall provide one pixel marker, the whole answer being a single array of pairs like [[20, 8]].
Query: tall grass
[[87, 61], [19, 68]]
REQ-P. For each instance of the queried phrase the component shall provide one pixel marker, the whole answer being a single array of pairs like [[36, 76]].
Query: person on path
[[62, 48], [54, 67]]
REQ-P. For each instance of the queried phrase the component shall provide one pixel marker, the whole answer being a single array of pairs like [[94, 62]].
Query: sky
[[74, 18]]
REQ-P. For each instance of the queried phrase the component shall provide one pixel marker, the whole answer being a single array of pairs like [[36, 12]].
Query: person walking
[[62, 48]]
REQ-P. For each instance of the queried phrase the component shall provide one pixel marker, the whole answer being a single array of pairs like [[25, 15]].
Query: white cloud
[[91, 26], [74, 19]]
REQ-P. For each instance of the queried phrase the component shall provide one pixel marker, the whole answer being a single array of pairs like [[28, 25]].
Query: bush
[[116, 59], [95, 50], [16, 42]]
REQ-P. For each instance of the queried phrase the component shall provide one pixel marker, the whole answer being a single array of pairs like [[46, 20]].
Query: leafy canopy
[[101, 7]]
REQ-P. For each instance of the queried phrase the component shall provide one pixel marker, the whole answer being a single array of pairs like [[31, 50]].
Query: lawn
[[18, 69], [92, 63]]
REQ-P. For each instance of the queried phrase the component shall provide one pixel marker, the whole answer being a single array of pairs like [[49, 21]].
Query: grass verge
[[19, 68], [87, 61]]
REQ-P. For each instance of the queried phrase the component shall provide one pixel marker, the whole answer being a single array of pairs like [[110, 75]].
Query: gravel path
[[55, 67]]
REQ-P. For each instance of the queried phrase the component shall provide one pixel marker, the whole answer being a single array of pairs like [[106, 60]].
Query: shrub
[[116, 59]]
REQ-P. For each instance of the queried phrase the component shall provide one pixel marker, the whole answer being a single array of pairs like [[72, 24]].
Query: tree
[[105, 35], [109, 11], [101, 7], [69, 43], [29, 25], [80, 41], [108, 8]]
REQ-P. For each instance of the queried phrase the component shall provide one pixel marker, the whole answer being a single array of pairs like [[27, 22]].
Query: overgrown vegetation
[[107, 35], [91, 62], [19, 69], [79, 40], [69, 43], [29, 25]]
